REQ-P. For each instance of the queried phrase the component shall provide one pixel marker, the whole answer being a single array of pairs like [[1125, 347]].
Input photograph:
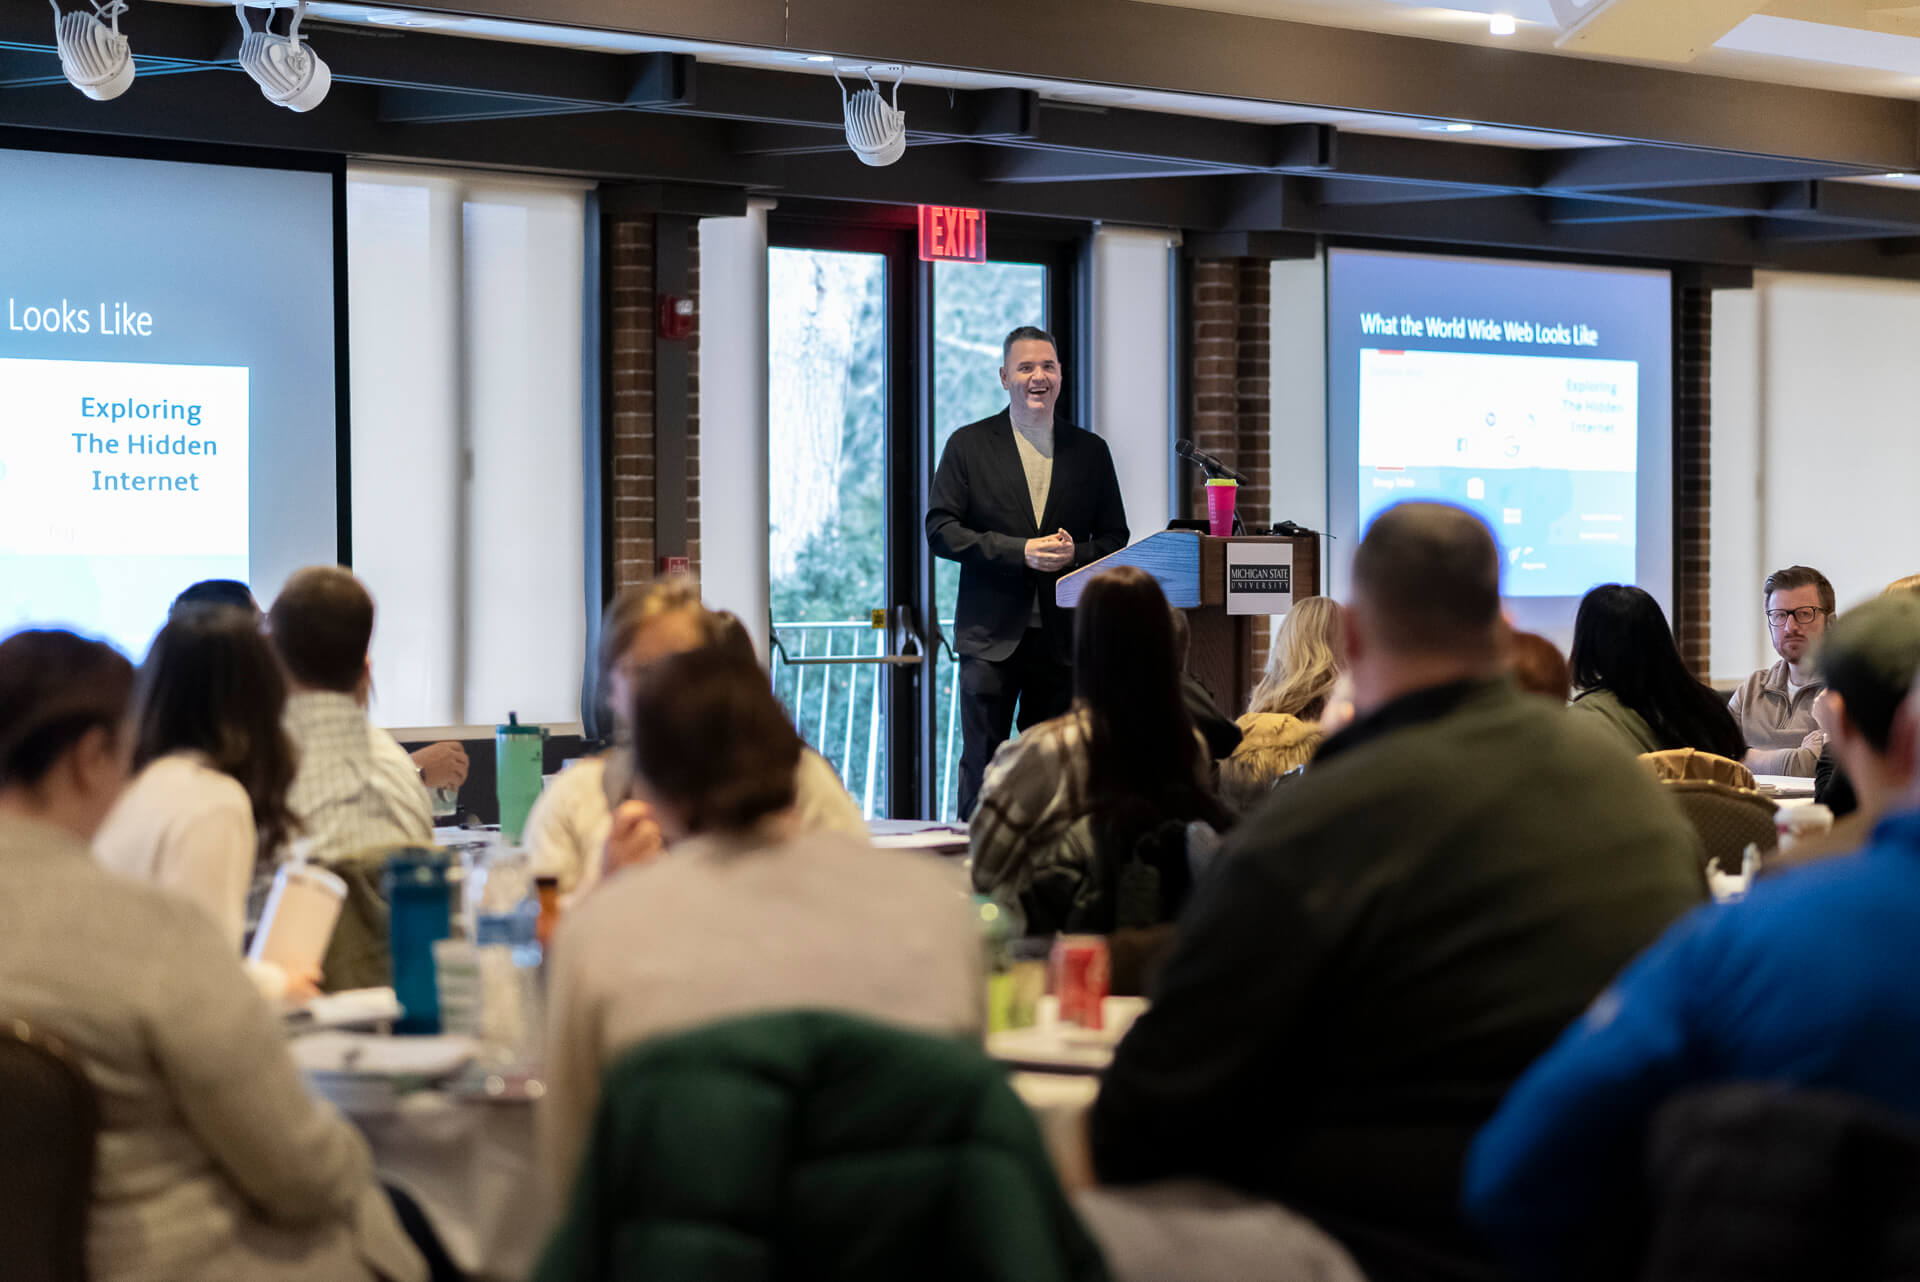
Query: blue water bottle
[[420, 911]]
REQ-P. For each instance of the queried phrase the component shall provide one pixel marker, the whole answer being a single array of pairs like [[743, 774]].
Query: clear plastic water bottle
[[512, 1005]]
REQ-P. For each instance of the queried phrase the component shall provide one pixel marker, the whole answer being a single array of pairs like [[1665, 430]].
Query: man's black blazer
[[981, 515]]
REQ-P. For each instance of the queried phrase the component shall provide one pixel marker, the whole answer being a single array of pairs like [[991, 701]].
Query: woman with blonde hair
[[1281, 729]]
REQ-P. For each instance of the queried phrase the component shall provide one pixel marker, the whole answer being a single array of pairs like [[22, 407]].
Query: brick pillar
[[1692, 429], [631, 369], [1232, 411]]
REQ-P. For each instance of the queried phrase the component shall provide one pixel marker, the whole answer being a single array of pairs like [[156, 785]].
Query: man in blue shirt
[[1807, 982]]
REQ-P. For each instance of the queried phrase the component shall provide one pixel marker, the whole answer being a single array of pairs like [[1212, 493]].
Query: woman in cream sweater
[[213, 1162], [207, 809]]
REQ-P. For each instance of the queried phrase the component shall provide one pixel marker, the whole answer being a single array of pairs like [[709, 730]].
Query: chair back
[[1765, 1183], [1718, 797], [815, 1144], [49, 1121]]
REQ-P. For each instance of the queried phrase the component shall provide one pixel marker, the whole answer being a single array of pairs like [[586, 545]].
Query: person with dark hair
[[1065, 806], [1633, 681], [1805, 984], [1869, 662], [1540, 668], [586, 823], [207, 813], [1774, 706], [227, 592], [1019, 499], [744, 912], [355, 792], [1372, 963], [213, 1161]]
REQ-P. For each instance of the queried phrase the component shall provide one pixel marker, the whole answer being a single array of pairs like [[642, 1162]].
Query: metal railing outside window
[[829, 677]]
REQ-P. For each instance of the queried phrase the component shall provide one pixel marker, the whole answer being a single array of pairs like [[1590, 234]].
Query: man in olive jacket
[[1384, 948]]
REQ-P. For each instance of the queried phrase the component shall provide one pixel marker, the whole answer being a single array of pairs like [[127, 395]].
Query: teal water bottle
[[519, 755], [420, 912]]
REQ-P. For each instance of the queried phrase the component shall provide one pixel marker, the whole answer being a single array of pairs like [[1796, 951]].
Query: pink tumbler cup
[[1220, 496]]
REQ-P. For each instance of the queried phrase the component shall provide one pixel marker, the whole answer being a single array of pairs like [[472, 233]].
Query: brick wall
[[1693, 403], [630, 259], [1231, 410]]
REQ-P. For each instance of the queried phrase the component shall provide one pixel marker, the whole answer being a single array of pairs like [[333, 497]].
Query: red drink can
[[1080, 978]]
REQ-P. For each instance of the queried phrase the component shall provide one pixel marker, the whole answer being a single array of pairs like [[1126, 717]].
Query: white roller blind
[[464, 317]]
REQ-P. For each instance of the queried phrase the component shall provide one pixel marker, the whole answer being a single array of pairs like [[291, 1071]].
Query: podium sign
[[1259, 578]]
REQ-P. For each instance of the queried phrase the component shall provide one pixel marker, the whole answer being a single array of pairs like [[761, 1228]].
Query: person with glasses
[[1774, 706]]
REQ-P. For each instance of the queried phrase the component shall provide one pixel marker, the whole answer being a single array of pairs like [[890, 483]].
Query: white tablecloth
[[470, 1165]]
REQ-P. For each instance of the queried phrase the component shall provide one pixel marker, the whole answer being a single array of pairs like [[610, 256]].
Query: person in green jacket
[[812, 1144], [1634, 682]]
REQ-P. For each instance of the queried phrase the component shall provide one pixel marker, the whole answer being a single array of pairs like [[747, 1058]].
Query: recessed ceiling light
[[1452, 127], [818, 57], [1501, 24], [388, 18], [1893, 175]]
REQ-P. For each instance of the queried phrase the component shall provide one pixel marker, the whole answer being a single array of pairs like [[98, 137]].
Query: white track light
[[289, 73], [93, 54], [876, 131]]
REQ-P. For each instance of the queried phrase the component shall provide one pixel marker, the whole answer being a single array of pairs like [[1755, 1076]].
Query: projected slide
[[115, 476], [1538, 395], [167, 385], [1542, 447]]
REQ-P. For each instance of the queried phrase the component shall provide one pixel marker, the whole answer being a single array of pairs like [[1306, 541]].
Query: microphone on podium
[[1208, 463]]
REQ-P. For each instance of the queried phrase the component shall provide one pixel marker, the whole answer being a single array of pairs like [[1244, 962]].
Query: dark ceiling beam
[[430, 106], [1363, 191], [1853, 203], [1811, 230], [1572, 211], [1037, 165], [793, 98], [1426, 161], [1603, 168], [1220, 144]]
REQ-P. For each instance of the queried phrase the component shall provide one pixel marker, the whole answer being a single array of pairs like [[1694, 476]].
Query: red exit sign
[[949, 234]]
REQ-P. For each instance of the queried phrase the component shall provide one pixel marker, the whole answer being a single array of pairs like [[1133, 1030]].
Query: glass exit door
[[874, 358]]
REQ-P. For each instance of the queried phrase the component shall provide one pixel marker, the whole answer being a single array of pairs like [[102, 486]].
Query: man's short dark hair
[[1799, 576], [1869, 659], [321, 625], [1027, 333], [1429, 574]]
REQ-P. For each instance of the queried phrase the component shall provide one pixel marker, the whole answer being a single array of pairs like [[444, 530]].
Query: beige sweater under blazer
[[214, 1163]]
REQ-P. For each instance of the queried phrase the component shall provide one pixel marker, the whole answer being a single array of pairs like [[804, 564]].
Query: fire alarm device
[[676, 316]]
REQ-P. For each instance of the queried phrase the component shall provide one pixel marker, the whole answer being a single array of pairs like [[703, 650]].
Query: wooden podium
[[1191, 569]]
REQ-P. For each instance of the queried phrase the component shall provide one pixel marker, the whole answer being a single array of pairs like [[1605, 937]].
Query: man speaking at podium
[[1019, 499]]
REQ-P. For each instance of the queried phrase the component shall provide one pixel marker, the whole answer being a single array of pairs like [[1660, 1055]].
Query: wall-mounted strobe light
[[876, 130], [93, 54], [289, 73]]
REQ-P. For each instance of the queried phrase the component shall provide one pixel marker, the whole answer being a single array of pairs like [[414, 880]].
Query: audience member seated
[[743, 912], [355, 790], [1806, 982], [1221, 734], [1774, 706], [442, 766], [1281, 728], [213, 1162], [1868, 661], [1089, 810], [568, 829], [1372, 964], [1633, 681], [1540, 668], [1831, 787], [207, 810]]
